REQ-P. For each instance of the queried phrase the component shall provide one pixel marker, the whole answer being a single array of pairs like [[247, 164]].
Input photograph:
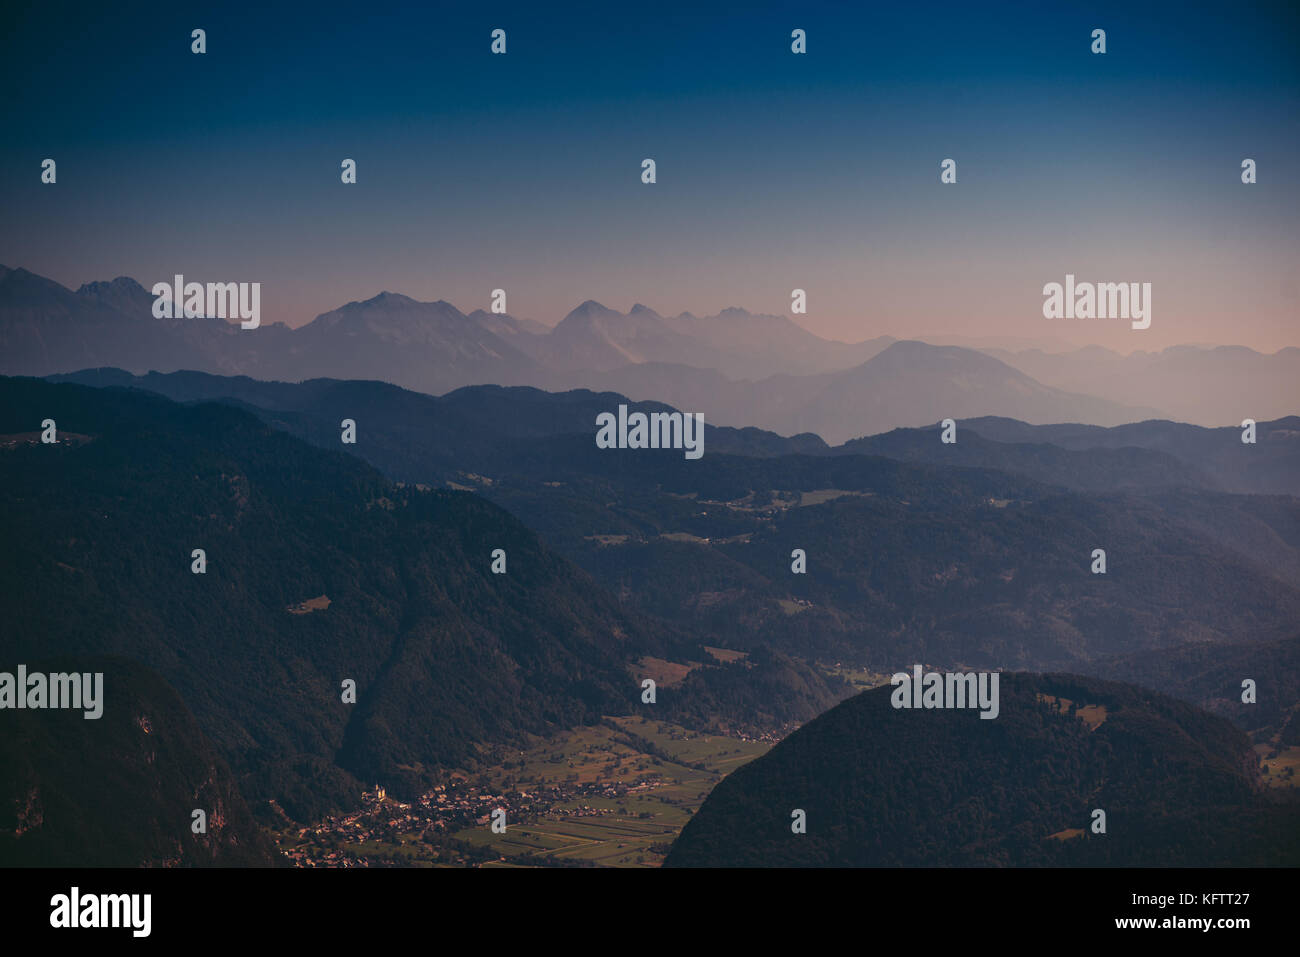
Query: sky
[[775, 171]]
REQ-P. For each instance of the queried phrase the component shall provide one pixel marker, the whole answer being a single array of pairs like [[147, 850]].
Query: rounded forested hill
[[884, 787]]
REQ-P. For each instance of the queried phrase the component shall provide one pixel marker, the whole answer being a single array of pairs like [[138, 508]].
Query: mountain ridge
[[737, 367]]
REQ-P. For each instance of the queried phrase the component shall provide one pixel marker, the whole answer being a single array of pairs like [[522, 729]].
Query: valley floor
[[615, 794]]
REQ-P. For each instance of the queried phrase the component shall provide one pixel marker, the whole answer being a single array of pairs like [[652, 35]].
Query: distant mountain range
[[736, 367], [1215, 385], [735, 343]]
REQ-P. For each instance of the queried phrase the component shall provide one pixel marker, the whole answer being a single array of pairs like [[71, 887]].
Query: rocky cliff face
[[119, 790]]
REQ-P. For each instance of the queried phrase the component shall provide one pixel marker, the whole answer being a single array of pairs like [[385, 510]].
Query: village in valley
[[613, 794]]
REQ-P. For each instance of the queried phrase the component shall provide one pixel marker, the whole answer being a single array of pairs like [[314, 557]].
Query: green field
[[860, 678], [1282, 768], [636, 828]]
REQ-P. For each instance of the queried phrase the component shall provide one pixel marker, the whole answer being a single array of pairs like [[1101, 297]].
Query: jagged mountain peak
[[121, 283], [588, 310]]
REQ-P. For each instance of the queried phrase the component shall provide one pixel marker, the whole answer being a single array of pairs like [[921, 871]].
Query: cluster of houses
[[337, 841]]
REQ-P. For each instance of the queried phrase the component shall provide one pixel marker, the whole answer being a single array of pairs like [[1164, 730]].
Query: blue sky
[[774, 170]]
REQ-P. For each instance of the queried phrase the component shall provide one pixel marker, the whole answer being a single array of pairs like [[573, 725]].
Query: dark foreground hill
[[885, 786], [319, 571], [119, 790]]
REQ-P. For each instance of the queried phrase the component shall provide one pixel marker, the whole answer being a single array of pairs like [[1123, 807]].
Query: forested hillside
[[882, 786]]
